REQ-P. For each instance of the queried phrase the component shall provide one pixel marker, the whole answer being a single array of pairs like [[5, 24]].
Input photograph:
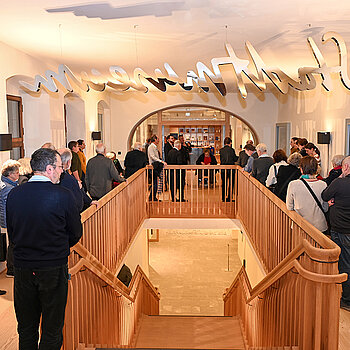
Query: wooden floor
[[190, 332]]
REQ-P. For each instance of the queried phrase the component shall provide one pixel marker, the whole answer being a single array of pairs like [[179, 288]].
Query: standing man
[[337, 194], [157, 163], [243, 156], [186, 149], [251, 153], [134, 160], [100, 172], [227, 157], [176, 157], [168, 146], [43, 222], [82, 158], [261, 165], [75, 167]]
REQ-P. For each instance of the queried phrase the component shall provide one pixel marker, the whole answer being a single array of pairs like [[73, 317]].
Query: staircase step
[[190, 332]]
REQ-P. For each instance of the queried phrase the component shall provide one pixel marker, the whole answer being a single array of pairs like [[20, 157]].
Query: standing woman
[[280, 159], [9, 180], [313, 151], [304, 195]]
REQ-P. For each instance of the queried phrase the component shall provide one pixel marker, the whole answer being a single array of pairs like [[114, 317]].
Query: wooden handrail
[[95, 266], [286, 265]]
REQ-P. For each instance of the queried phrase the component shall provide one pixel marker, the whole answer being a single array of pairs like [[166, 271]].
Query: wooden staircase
[[190, 332]]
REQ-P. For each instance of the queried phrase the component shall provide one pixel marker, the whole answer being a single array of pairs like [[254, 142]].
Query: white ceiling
[[146, 33]]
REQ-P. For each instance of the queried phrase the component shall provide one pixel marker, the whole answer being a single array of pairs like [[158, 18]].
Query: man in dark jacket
[[227, 157], [176, 157], [168, 146], [43, 222], [100, 171], [243, 156], [134, 160], [261, 165], [338, 195]]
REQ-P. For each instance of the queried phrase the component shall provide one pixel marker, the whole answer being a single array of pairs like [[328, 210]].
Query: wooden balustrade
[[199, 185], [102, 310], [290, 306], [108, 230], [273, 230]]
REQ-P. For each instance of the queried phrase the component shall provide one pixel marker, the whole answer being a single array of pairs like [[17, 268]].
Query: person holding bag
[[302, 195]]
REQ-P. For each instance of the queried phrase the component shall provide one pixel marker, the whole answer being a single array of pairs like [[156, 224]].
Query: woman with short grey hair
[[9, 180], [336, 171], [286, 174]]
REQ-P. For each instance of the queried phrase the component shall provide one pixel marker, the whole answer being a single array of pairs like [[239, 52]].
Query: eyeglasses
[[58, 166]]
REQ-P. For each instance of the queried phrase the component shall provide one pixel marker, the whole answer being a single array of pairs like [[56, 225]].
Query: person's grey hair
[[177, 143], [100, 148], [9, 167], [337, 159], [66, 155], [294, 159], [25, 167], [261, 147], [137, 145], [49, 145]]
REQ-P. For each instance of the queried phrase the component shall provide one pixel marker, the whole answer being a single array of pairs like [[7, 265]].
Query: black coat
[[167, 148], [333, 174], [134, 160], [285, 175], [228, 155], [176, 157], [242, 159], [261, 168]]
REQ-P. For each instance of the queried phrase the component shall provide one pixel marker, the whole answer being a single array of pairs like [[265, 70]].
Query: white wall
[[318, 110], [138, 253]]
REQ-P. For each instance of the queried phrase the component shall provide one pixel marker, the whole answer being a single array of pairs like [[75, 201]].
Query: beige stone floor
[[190, 269]]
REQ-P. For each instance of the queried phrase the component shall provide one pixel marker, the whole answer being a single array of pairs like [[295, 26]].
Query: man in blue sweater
[[43, 222]]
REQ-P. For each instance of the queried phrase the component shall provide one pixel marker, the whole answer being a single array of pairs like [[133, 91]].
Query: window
[[283, 136], [100, 124], [347, 136], [15, 124]]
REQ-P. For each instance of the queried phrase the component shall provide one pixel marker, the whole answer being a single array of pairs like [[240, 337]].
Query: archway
[[202, 125]]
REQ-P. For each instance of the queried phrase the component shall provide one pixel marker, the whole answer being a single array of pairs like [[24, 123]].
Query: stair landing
[[190, 332]]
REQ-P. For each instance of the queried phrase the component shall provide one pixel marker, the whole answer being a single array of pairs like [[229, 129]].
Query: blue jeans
[[343, 241]]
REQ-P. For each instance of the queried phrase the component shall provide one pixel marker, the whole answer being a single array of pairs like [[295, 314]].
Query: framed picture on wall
[[187, 137], [205, 130], [193, 130], [199, 137], [181, 130], [199, 130], [188, 130], [211, 129]]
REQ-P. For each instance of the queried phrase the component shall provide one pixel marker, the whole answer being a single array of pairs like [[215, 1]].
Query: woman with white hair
[[25, 170], [9, 180], [134, 160], [336, 171]]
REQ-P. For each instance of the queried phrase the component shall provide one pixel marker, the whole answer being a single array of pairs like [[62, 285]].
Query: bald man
[[337, 194]]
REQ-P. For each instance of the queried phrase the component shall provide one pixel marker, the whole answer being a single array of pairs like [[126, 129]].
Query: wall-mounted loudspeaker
[[324, 138], [96, 135], [5, 142]]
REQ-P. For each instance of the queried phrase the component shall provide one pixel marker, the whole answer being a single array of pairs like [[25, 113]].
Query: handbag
[[327, 232], [273, 186]]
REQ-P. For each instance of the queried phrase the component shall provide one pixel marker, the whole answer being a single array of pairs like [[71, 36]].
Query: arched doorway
[[203, 126]]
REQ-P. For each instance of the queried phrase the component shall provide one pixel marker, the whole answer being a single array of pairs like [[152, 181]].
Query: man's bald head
[[346, 166]]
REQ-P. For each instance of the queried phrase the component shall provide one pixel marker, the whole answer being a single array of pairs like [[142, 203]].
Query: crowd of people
[[42, 221], [297, 180]]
